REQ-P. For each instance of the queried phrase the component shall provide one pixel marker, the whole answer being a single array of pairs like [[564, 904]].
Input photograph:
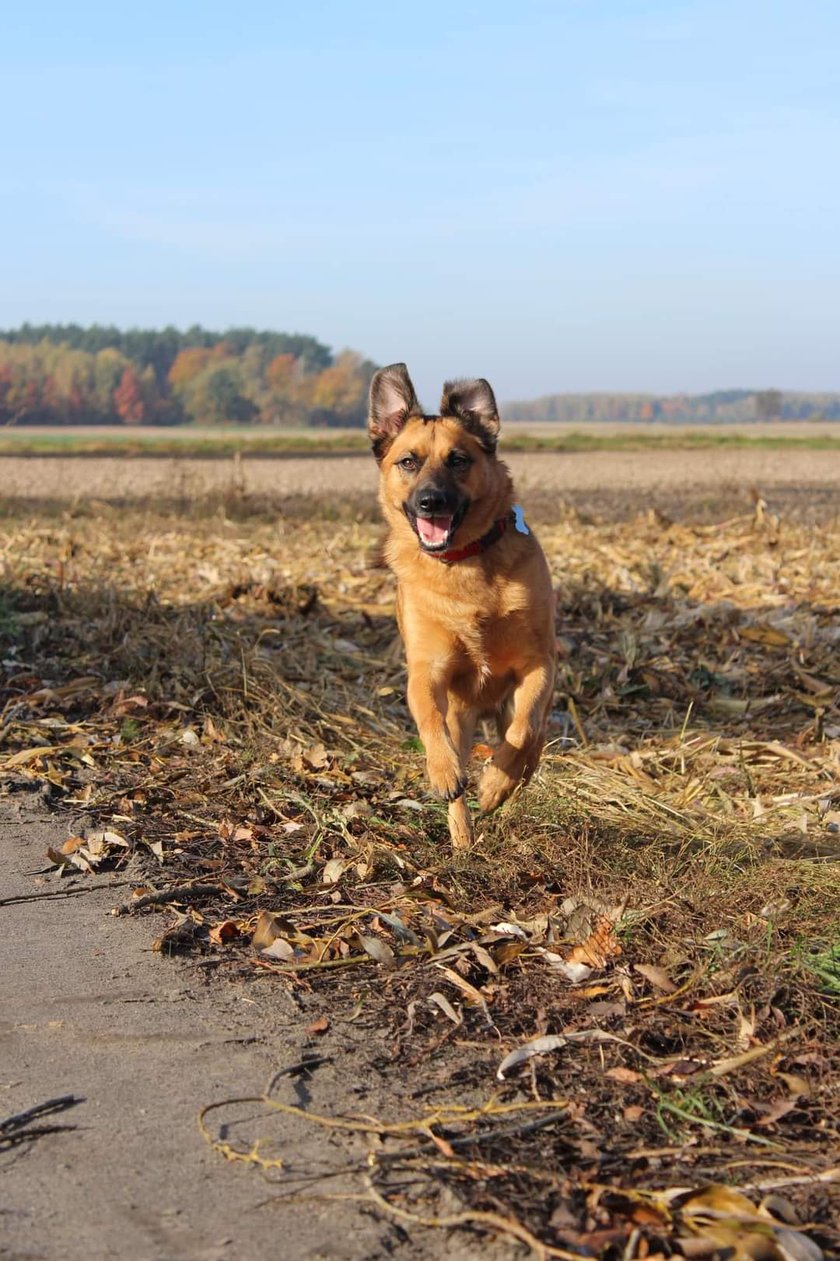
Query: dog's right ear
[[392, 403]]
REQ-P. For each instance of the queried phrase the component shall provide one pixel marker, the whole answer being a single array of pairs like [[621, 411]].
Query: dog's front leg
[[516, 758], [460, 723], [427, 700]]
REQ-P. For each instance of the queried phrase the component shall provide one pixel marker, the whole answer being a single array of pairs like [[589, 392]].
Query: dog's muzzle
[[434, 518]]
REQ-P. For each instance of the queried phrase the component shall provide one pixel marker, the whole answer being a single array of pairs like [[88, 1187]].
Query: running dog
[[475, 604]]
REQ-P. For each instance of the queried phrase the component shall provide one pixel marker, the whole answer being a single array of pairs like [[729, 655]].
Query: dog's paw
[[445, 774], [494, 788]]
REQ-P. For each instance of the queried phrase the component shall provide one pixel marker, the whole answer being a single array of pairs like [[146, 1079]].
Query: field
[[255, 441], [611, 1029]]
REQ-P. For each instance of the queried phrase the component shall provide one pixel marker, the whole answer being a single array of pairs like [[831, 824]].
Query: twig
[[827, 1175], [483, 1136], [507, 1131], [181, 893], [297, 873], [313, 965], [754, 1053], [449, 1114]]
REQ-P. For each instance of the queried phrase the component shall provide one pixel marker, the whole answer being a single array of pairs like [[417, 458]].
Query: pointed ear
[[392, 402], [474, 404]]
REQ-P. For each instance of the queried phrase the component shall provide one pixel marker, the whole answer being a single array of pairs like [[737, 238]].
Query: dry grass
[[223, 701]]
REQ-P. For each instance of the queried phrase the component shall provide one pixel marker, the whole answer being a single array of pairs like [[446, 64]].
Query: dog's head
[[440, 473]]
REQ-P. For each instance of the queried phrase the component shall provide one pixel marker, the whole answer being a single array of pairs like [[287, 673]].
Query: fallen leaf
[[550, 1042], [321, 1025], [440, 1000], [798, 1086], [469, 991], [510, 930], [279, 949], [763, 634], [228, 930], [72, 844], [658, 977], [268, 927], [379, 951], [573, 972], [316, 757], [622, 1074], [539, 1046], [775, 1111], [333, 871], [73, 859], [25, 756], [482, 751], [601, 946], [107, 838]]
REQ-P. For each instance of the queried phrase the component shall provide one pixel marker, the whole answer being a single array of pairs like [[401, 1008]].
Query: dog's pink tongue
[[434, 530]]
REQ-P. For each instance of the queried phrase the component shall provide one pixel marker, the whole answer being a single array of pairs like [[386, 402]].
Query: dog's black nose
[[431, 500]]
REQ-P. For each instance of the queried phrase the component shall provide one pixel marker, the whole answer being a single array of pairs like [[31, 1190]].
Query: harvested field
[[612, 1028], [799, 482]]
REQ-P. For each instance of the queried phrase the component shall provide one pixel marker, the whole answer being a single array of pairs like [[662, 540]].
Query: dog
[[475, 604]]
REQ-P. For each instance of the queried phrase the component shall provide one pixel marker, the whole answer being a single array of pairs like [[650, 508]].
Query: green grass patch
[[825, 965], [183, 443]]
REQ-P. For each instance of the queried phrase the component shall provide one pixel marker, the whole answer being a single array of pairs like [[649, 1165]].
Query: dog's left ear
[[393, 402], [474, 404]]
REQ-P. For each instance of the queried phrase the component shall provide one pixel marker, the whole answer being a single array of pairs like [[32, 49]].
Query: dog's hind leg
[[504, 716], [516, 758], [460, 824]]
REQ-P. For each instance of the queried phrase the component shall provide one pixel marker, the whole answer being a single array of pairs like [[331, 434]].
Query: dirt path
[[87, 1009]]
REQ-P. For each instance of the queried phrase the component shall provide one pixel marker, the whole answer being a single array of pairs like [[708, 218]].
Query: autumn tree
[[217, 396], [128, 398], [339, 393], [188, 364]]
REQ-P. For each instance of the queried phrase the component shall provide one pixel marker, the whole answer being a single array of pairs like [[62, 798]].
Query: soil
[[144, 1042], [803, 482]]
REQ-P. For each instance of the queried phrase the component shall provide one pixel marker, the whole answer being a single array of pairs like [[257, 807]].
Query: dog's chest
[[490, 645]]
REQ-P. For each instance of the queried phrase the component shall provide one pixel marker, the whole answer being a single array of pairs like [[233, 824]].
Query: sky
[[559, 195]]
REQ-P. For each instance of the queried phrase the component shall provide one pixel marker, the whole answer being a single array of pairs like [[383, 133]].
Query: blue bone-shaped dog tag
[[519, 520]]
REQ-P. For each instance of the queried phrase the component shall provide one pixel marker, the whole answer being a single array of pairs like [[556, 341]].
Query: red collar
[[475, 548]]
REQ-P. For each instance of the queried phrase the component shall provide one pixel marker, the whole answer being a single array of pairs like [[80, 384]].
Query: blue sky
[[567, 195]]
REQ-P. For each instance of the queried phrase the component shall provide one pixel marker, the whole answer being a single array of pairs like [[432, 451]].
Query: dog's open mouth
[[434, 532]]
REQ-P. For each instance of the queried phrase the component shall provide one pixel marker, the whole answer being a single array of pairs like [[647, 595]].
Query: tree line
[[719, 407], [66, 374]]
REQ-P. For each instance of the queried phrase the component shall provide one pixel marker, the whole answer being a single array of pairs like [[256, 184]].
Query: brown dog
[[474, 598]]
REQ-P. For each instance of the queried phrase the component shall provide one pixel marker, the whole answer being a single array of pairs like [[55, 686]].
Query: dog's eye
[[408, 463], [458, 460]]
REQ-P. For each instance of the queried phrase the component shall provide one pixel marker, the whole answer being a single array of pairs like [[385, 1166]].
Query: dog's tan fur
[[478, 633]]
